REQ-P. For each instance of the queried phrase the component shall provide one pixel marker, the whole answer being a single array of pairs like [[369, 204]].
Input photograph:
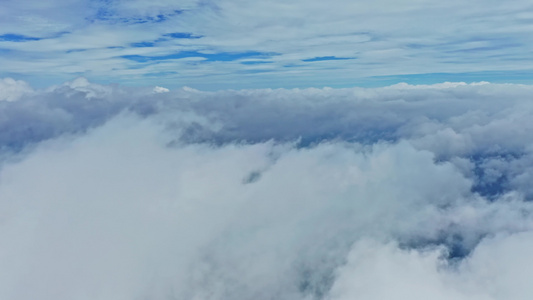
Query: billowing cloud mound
[[11, 89], [415, 192]]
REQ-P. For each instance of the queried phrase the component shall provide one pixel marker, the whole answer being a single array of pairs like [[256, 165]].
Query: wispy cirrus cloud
[[388, 39]]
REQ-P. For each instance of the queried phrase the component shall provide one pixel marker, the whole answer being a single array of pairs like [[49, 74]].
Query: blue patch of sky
[[106, 13], [133, 20], [324, 58], [166, 37], [182, 35], [75, 50], [221, 56], [142, 44], [160, 74], [292, 65], [141, 20], [256, 62], [103, 11], [12, 37]]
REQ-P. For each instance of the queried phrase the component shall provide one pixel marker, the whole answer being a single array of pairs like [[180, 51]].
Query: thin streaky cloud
[[386, 38]]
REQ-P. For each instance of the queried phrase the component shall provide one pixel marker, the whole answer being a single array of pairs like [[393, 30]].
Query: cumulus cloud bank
[[109, 192], [11, 89]]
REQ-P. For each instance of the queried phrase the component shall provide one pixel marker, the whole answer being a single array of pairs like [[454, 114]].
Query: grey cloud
[[126, 193], [454, 121], [118, 214], [383, 271]]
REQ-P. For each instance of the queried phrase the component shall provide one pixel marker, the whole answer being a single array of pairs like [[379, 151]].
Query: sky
[[237, 44], [236, 150]]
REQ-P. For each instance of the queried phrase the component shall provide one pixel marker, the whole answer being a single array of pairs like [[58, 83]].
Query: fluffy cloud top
[[11, 90], [110, 192]]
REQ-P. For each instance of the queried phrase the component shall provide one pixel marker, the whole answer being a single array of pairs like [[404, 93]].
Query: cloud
[[117, 192], [384, 271], [159, 89], [12, 90], [481, 124], [118, 214]]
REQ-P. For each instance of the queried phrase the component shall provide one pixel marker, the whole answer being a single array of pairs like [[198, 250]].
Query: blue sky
[[234, 44]]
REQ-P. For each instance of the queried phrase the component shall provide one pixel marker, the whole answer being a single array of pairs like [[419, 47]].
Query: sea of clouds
[[399, 192]]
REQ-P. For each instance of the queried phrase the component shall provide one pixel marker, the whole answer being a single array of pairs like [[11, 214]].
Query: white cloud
[[115, 192], [494, 271], [82, 85], [159, 89], [11, 89], [116, 214]]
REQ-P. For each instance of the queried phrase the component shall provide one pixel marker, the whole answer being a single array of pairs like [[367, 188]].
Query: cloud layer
[[108, 192]]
